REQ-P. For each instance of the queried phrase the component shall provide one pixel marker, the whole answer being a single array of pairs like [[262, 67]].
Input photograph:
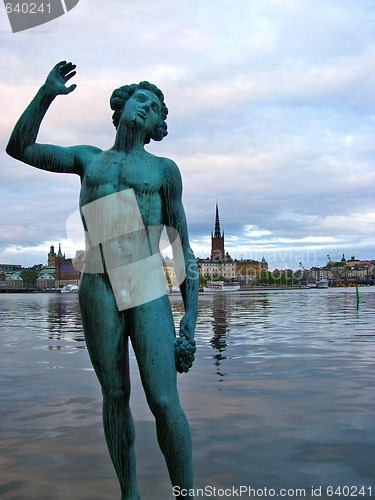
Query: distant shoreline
[[201, 292]]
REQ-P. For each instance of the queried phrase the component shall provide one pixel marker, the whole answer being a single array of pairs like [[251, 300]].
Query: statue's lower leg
[[119, 434], [174, 439]]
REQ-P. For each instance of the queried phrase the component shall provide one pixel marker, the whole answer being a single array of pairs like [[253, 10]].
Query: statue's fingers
[[71, 88], [66, 68], [67, 65], [70, 75], [60, 64]]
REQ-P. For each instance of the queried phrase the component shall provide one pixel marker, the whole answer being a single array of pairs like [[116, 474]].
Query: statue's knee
[[162, 405], [116, 395]]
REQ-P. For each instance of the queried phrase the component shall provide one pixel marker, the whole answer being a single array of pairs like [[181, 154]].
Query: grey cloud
[[271, 113]]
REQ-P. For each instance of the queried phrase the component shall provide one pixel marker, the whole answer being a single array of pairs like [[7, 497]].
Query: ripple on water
[[280, 396]]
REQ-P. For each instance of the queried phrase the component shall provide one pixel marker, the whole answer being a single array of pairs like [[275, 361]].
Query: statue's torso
[[140, 177]]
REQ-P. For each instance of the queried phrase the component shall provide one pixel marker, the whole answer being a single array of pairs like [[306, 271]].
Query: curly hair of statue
[[122, 94]]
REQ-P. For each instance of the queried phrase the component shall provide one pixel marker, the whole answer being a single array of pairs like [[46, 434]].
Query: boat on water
[[221, 286], [69, 289], [319, 284]]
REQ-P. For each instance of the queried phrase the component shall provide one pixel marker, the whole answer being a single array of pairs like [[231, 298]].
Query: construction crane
[[304, 273]]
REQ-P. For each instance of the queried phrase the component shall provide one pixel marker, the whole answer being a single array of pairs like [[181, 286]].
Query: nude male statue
[[153, 186]]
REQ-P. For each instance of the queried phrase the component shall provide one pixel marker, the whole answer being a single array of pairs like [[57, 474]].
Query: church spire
[[217, 239], [60, 252], [217, 223]]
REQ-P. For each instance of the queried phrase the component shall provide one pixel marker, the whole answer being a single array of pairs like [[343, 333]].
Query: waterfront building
[[45, 280], [169, 272], [218, 268], [248, 271], [2, 280], [345, 272], [13, 281], [61, 269]]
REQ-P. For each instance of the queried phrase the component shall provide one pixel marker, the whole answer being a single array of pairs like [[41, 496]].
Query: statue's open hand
[[185, 346], [57, 78]]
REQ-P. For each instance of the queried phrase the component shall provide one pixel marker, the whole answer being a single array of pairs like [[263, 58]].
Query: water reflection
[[295, 406], [219, 326], [63, 320], [233, 320]]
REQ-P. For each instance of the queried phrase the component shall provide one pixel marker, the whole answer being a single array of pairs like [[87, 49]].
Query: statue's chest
[[143, 176]]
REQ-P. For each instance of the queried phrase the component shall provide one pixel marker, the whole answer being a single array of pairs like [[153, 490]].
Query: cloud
[[271, 114], [255, 232]]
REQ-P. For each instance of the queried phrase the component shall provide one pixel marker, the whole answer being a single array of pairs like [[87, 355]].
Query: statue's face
[[142, 109]]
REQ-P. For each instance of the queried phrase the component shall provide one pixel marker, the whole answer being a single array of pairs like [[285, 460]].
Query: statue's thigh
[[105, 331], [153, 340]]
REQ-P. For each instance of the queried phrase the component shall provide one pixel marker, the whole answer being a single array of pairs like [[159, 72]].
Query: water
[[281, 396]]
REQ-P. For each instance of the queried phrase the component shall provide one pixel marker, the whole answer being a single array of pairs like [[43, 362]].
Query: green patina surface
[[115, 262]]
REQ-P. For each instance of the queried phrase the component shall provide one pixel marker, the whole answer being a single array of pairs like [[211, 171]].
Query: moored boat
[[221, 286], [319, 284], [69, 289]]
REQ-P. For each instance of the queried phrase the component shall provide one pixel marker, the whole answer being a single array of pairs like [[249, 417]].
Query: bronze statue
[[127, 197]]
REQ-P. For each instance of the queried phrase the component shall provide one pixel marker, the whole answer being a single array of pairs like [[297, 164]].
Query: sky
[[271, 115]]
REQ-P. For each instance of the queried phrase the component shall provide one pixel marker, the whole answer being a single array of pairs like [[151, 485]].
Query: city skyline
[[271, 112], [279, 260], [72, 254]]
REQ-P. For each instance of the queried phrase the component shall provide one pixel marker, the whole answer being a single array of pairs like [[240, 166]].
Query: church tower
[[52, 257], [217, 240]]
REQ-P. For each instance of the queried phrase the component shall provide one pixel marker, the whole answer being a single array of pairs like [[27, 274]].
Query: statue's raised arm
[[22, 143], [58, 77]]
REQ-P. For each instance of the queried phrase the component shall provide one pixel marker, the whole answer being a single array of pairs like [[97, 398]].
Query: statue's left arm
[[185, 261]]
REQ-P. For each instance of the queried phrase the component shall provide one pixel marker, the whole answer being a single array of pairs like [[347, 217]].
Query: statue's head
[[122, 94]]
